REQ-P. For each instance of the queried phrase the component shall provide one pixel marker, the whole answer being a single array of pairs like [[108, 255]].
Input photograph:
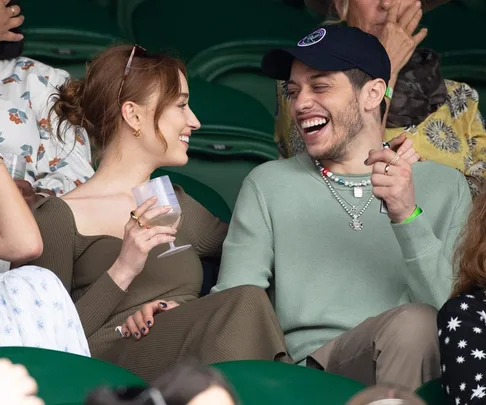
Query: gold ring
[[140, 224], [387, 167], [133, 216], [395, 159], [13, 10]]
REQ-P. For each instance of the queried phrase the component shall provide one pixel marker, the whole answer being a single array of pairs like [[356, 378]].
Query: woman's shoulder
[[459, 95], [53, 210], [459, 87], [474, 302], [50, 203]]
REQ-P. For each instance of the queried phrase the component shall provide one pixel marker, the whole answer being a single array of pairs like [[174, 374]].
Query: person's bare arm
[[20, 239]]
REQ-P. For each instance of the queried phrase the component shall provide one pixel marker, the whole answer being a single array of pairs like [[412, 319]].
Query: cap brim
[[277, 63]]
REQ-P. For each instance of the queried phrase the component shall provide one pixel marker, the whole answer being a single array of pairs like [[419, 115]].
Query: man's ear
[[373, 93]]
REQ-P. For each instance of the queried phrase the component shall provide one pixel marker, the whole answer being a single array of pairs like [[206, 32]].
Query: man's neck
[[357, 152]]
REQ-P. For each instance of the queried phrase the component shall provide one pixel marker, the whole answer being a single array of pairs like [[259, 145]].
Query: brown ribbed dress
[[235, 324]]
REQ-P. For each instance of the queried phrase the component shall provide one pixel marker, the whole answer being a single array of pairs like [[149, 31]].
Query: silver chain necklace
[[355, 222], [354, 207]]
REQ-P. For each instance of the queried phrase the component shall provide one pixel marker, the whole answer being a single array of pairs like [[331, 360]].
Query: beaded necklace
[[356, 224]]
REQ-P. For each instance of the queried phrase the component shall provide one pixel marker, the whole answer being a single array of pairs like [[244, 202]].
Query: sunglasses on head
[[135, 50]]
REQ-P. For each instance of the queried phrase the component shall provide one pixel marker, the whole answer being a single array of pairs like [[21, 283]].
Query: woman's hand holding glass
[[139, 239], [161, 187]]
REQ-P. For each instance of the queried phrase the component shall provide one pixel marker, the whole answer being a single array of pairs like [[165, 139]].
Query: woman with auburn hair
[[462, 319], [134, 106]]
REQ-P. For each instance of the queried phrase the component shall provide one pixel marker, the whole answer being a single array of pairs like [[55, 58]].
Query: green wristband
[[414, 215], [389, 93]]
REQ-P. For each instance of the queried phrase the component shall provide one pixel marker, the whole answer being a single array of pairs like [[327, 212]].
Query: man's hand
[[392, 181]]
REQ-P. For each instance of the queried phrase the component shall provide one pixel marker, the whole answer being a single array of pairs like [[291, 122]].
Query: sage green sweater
[[289, 235]]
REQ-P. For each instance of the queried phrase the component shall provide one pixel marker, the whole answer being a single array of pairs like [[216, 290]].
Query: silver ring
[[387, 167]]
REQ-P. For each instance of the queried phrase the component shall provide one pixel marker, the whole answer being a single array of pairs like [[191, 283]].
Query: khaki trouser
[[399, 347]]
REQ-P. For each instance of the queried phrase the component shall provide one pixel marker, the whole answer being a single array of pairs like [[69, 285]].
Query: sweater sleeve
[[427, 260], [205, 231], [248, 255], [57, 227]]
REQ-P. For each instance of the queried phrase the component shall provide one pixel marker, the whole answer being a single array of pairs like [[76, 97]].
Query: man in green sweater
[[353, 244]]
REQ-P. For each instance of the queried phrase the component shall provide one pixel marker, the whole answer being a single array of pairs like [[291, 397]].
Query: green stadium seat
[[259, 382], [203, 194], [458, 35], [67, 35], [124, 16], [236, 135], [237, 65], [208, 24], [457, 31], [222, 41], [433, 394], [475, 5], [66, 379]]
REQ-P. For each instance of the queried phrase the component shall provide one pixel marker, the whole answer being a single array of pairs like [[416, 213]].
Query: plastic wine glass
[[15, 164], [161, 187]]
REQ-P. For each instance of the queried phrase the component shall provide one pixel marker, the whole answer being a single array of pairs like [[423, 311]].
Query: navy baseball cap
[[332, 48]]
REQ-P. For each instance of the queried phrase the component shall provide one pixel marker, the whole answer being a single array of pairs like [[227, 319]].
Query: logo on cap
[[313, 38]]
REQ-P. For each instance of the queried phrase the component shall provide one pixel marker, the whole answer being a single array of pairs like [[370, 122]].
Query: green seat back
[[203, 194], [457, 34], [124, 16], [65, 378], [266, 383], [223, 41], [212, 24], [238, 66], [432, 393], [59, 34], [476, 5], [236, 135]]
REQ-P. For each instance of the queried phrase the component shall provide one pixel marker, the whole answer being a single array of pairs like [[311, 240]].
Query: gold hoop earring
[[137, 133]]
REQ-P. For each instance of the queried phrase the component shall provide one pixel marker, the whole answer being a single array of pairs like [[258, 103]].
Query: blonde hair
[[337, 15]]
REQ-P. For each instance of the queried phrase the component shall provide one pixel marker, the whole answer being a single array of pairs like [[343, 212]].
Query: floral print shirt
[[25, 99], [454, 135]]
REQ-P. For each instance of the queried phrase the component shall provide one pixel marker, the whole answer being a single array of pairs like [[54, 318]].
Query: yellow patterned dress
[[454, 135]]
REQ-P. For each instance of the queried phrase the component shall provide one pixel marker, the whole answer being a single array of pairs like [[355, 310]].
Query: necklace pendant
[[358, 192], [356, 224]]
